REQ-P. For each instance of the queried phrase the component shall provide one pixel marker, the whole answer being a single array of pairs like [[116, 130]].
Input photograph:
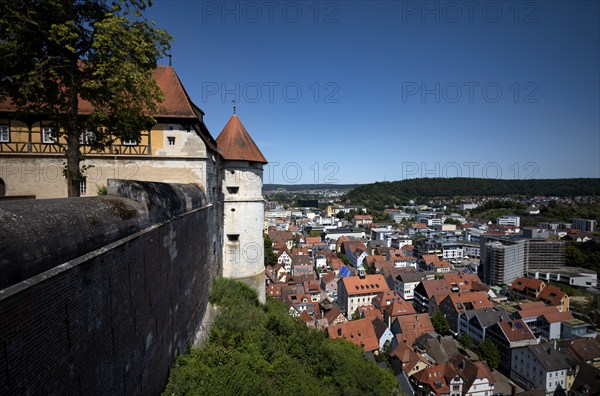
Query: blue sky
[[364, 91]]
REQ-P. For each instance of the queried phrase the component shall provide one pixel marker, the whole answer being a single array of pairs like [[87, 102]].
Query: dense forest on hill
[[305, 187], [256, 349], [385, 194]]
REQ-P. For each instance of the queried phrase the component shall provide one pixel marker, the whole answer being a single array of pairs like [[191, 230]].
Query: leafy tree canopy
[[488, 351], [259, 349], [440, 323], [56, 53], [385, 194]]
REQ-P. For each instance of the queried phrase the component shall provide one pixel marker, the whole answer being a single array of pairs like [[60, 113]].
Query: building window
[[233, 190], [82, 186], [130, 142], [4, 133], [87, 137], [171, 140], [48, 135], [233, 237]]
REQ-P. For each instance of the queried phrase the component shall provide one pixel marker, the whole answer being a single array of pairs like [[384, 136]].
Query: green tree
[[487, 351], [56, 53], [440, 323], [270, 257], [260, 349], [314, 233], [450, 220], [465, 341]]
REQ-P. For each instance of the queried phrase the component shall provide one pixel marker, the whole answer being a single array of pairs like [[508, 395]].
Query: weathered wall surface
[[42, 176], [112, 321]]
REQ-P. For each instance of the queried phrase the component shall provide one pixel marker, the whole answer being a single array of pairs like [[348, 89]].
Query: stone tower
[[243, 246]]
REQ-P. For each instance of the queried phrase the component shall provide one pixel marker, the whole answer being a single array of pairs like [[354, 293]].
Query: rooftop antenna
[[234, 105], [170, 63]]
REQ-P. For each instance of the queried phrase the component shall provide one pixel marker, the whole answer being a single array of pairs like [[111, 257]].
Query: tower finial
[[170, 63], [234, 105]]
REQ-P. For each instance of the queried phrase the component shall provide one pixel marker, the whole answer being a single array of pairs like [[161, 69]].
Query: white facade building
[[539, 366], [509, 221]]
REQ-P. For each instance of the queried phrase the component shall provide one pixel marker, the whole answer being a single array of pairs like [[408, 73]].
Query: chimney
[[513, 389]]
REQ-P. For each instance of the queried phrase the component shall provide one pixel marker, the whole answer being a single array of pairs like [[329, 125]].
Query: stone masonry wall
[[113, 320]]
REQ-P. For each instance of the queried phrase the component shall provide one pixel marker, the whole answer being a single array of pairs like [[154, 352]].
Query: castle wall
[[112, 320]]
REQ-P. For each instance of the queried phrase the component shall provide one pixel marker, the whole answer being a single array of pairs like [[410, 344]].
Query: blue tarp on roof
[[344, 272]]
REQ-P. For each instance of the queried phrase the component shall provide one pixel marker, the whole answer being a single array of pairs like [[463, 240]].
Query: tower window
[[233, 209], [171, 140], [233, 237], [233, 190], [82, 186]]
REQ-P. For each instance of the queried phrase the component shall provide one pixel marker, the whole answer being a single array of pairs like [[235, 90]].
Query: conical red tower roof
[[236, 144]]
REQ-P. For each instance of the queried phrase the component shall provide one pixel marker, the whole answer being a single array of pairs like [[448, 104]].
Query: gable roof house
[[431, 381], [475, 322], [476, 378], [456, 303], [354, 291], [539, 366], [425, 290], [554, 296], [508, 335], [334, 317], [405, 359], [383, 333], [356, 252], [359, 332], [437, 348], [329, 283], [410, 327], [526, 288], [285, 259]]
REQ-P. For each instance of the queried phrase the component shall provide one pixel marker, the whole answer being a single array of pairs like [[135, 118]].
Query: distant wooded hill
[[382, 194], [304, 187]]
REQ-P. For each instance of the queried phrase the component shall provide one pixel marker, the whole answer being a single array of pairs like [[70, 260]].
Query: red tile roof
[[520, 284], [370, 284], [551, 295], [360, 332], [176, 103], [516, 330], [236, 144], [312, 240], [434, 377], [414, 326]]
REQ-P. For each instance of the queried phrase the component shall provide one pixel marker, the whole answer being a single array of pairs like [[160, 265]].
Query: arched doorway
[[2, 188]]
